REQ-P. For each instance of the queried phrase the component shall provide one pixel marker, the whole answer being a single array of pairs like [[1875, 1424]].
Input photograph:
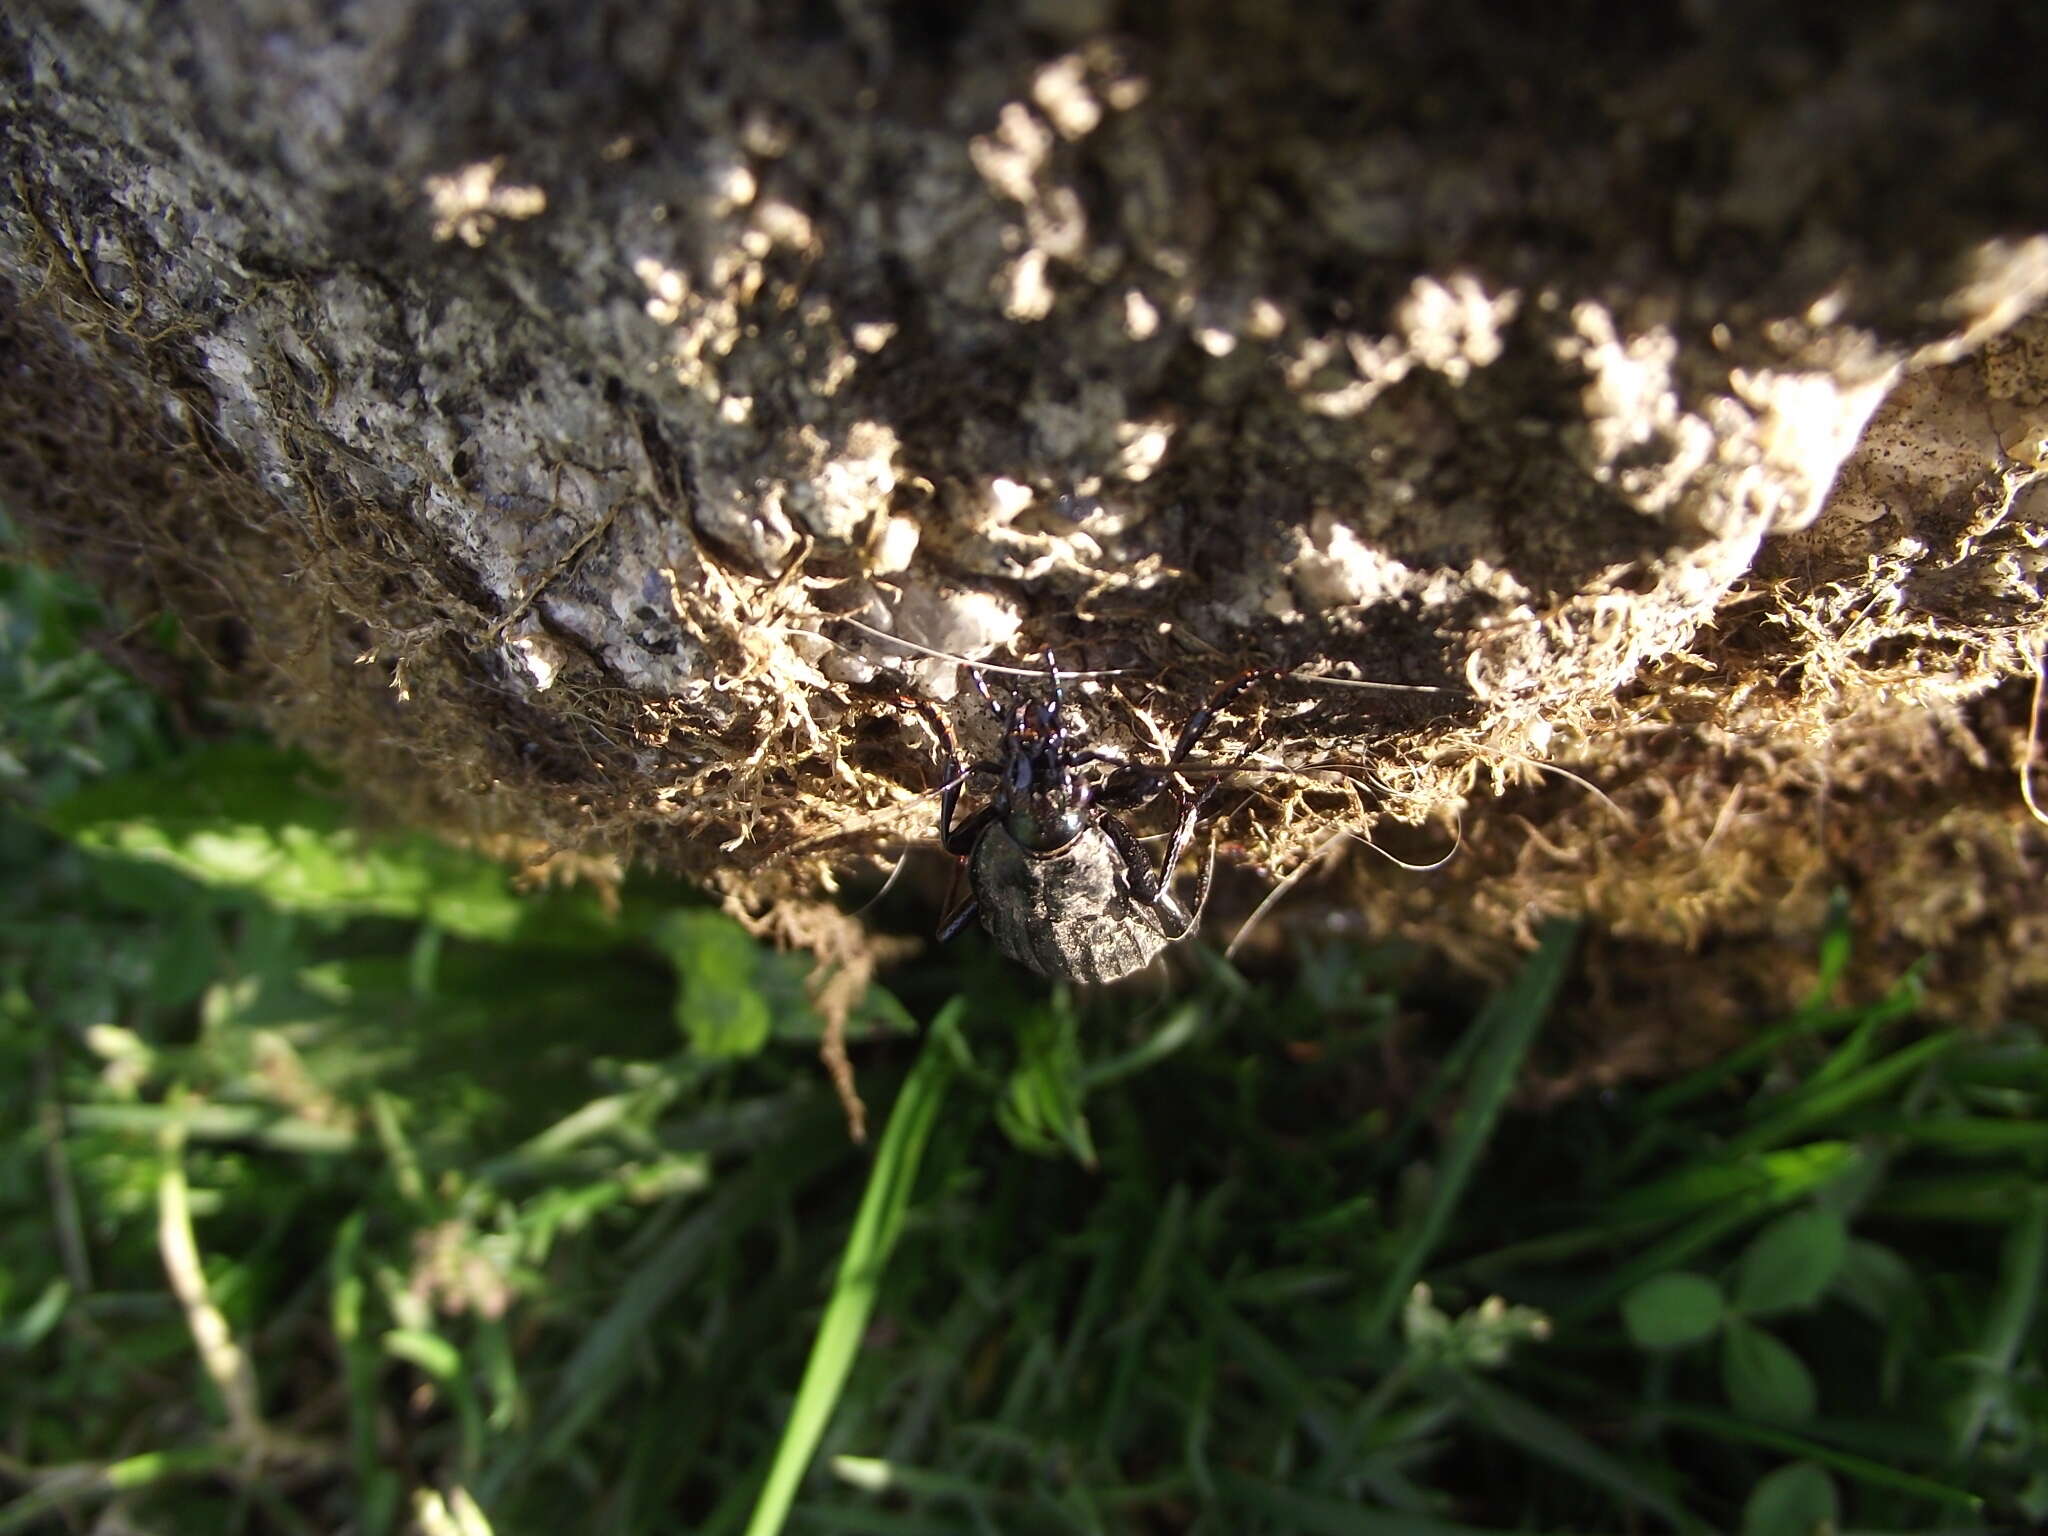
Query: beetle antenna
[[974, 676], [1300, 871], [925, 650], [1564, 773], [901, 859], [1285, 884], [1359, 682], [1457, 842]]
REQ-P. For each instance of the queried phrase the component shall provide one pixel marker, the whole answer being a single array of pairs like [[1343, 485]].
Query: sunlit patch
[[469, 203], [1144, 445]]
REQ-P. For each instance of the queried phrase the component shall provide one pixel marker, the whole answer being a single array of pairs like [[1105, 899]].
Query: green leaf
[[1672, 1310], [1041, 1108], [1790, 1263], [1763, 1378], [720, 1006], [1874, 1280], [248, 816], [1795, 1500], [41, 1316]]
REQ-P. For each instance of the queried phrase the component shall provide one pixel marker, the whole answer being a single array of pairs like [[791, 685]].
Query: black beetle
[[1060, 881]]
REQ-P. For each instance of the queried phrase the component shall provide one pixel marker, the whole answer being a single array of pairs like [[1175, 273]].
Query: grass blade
[[1508, 1025], [1283, 1376], [2005, 1329], [868, 1246], [1320, 1515], [1875, 1473], [1551, 1439], [1814, 1107], [613, 1346], [62, 1487]]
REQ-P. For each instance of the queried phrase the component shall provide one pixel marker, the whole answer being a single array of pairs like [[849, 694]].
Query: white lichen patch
[[1141, 316], [1807, 424], [1143, 447], [1006, 500], [539, 657], [1642, 442], [870, 336], [667, 288], [1342, 375], [845, 492], [1454, 325], [2008, 280], [1061, 91], [1010, 159], [961, 623], [895, 546], [1339, 569], [1264, 320], [469, 203], [733, 188], [1027, 291], [1015, 162]]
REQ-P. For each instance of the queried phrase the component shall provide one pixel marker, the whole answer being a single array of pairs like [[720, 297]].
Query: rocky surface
[[555, 415]]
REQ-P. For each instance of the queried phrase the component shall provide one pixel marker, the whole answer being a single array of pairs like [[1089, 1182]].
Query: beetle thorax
[[1044, 798]]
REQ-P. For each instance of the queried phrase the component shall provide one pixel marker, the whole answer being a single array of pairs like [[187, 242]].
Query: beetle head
[[1045, 796]]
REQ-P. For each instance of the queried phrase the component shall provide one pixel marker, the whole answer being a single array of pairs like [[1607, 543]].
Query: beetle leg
[[1200, 721], [981, 687], [1146, 885], [956, 921], [1156, 890], [1184, 829], [956, 840], [959, 841], [957, 914], [1139, 875], [1129, 786], [1171, 911]]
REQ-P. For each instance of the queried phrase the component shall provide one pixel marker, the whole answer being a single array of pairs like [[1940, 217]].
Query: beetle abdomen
[[1065, 914]]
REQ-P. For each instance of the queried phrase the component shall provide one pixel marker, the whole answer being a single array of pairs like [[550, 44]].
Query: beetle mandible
[[1060, 881]]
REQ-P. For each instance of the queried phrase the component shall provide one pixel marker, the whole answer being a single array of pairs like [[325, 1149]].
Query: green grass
[[486, 1211]]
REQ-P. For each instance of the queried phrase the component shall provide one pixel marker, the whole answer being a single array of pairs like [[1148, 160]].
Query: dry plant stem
[[547, 578], [230, 1369], [839, 1066]]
